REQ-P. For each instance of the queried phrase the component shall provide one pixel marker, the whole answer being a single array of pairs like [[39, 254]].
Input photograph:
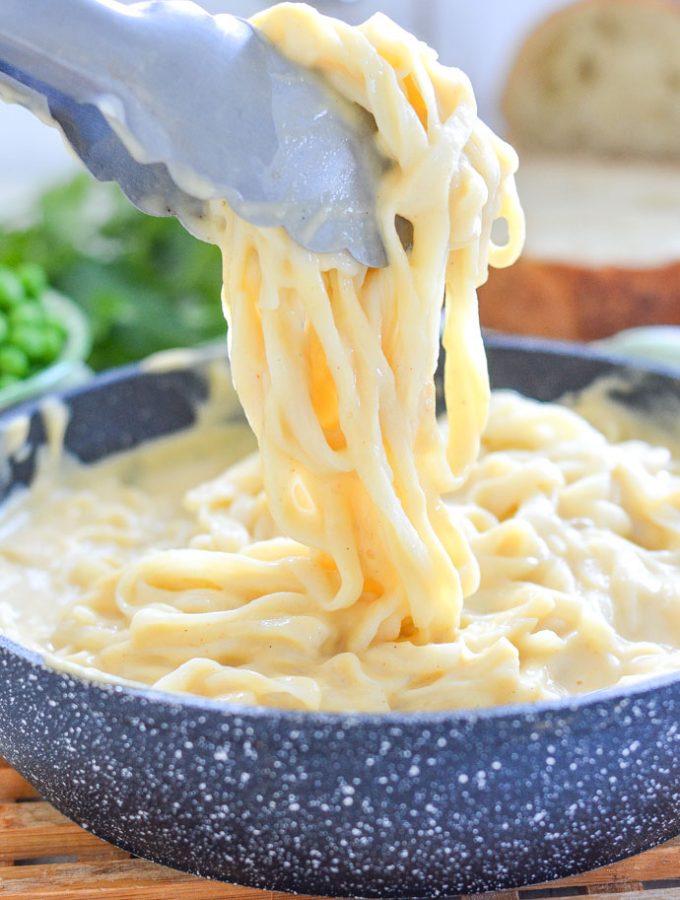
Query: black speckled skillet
[[396, 806]]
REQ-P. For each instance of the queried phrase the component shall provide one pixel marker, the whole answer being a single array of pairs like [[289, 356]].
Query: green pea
[[11, 289], [13, 361], [28, 313], [8, 380], [30, 339], [33, 279], [54, 343]]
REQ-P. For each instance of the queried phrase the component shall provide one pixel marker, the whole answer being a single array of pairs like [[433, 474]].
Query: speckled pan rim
[[195, 703], [565, 705], [217, 350], [583, 351]]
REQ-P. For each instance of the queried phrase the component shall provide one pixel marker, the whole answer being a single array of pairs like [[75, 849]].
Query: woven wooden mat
[[44, 856]]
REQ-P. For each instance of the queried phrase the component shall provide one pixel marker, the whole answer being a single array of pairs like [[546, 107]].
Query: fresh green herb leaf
[[145, 283]]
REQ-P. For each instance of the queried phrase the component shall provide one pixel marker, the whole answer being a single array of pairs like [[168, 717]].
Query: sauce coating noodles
[[334, 362], [326, 570]]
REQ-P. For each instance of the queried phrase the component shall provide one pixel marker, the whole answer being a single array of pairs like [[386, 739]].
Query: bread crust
[[559, 300]]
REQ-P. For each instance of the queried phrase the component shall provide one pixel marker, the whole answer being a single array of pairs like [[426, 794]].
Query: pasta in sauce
[[363, 558]]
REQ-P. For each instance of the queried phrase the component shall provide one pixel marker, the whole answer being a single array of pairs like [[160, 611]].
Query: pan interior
[[204, 426]]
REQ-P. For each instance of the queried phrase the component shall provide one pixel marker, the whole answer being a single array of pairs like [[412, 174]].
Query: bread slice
[[601, 76], [593, 107]]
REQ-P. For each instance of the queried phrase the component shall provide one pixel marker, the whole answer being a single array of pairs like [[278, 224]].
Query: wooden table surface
[[44, 856]]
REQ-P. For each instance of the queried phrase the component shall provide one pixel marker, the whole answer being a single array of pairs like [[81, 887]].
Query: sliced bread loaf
[[600, 76], [594, 109]]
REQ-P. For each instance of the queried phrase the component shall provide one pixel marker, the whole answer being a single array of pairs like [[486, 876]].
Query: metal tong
[[180, 107]]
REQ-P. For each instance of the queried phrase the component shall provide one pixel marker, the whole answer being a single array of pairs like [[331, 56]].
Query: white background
[[480, 36]]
